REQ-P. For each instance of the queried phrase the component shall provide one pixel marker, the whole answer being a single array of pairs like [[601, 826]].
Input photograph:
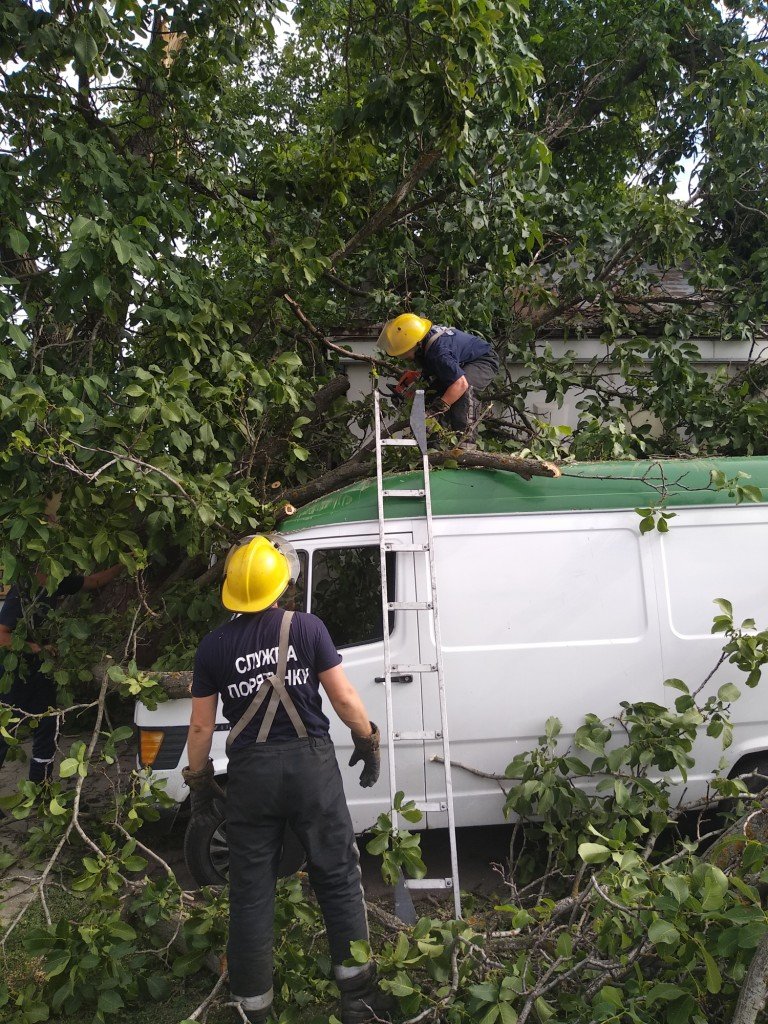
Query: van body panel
[[540, 615]]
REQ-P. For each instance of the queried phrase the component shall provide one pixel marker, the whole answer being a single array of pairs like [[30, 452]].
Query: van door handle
[[395, 679]]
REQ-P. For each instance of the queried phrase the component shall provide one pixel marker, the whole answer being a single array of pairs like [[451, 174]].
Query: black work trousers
[[269, 785], [35, 696], [465, 410]]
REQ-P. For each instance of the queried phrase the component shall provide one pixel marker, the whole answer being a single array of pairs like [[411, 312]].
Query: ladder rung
[[416, 735], [394, 546], [429, 883], [431, 806], [407, 669], [409, 606], [398, 442], [403, 493]]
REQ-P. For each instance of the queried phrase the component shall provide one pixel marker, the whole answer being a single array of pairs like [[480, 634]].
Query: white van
[[551, 603]]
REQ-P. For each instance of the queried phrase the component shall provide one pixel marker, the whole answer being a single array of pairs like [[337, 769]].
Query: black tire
[[207, 855]]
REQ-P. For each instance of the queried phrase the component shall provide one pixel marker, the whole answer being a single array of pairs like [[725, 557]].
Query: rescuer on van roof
[[267, 665], [458, 365]]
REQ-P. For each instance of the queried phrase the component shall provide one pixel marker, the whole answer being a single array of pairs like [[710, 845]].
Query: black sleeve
[[11, 611], [204, 678], [69, 585]]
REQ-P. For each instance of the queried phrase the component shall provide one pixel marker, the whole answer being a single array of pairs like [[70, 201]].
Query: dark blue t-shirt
[[449, 353], [14, 607], [234, 661]]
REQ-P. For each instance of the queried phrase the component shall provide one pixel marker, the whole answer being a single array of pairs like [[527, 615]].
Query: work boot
[[361, 998], [258, 1016]]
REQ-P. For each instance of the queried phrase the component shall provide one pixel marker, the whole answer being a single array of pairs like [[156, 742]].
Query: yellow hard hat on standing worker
[[257, 572], [403, 333]]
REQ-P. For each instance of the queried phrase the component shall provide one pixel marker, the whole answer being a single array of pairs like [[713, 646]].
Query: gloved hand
[[367, 751], [438, 408], [204, 790]]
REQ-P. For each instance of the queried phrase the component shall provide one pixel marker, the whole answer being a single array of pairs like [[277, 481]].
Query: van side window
[[295, 597], [346, 593]]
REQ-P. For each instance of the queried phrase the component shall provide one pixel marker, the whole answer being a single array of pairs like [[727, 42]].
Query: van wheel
[[206, 851]]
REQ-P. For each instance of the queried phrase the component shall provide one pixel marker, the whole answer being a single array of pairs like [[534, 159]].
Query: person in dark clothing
[[27, 688], [457, 365], [267, 666]]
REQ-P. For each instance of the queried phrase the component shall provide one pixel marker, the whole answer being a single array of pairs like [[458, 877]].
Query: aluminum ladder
[[419, 440]]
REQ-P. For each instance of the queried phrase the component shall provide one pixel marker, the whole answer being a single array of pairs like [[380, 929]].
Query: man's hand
[[367, 751], [204, 790], [438, 408]]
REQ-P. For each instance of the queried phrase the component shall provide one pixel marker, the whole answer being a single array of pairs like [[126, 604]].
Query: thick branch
[[753, 994], [386, 214], [357, 470]]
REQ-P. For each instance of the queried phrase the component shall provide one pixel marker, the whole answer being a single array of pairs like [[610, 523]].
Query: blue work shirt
[[449, 353], [237, 658]]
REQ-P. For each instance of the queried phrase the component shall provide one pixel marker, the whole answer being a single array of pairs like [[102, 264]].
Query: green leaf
[[543, 1010], [728, 692], [86, 49], [122, 250], [417, 111], [402, 946], [678, 886], [18, 241], [676, 684], [56, 808], [102, 286], [713, 977], [593, 853], [663, 933], [360, 950], [158, 986], [664, 992], [484, 992]]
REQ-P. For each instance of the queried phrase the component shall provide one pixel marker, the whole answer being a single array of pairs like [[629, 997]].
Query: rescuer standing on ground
[[29, 689], [458, 365], [267, 666]]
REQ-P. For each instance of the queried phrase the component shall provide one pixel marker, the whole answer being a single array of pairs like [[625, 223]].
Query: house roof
[[587, 486]]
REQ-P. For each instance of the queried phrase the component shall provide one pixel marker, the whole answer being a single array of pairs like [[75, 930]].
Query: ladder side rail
[[442, 694], [384, 601]]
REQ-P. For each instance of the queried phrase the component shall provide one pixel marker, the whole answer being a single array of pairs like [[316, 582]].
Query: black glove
[[367, 751], [438, 408], [204, 790]]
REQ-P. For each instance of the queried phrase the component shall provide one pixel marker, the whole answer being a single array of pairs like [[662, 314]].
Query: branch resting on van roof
[[356, 469]]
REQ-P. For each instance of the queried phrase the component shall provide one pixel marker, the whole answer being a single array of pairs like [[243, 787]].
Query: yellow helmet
[[403, 333], [256, 574]]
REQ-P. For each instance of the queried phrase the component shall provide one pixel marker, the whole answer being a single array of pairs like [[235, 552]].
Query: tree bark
[[754, 989]]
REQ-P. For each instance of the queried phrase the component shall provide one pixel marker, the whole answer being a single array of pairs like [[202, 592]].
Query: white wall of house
[[714, 353]]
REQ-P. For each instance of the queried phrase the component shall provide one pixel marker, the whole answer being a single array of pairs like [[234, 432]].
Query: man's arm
[[201, 728], [346, 701], [97, 580], [6, 640], [456, 390]]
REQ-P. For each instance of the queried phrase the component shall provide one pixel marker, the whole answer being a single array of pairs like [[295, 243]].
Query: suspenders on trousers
[[279, 695]]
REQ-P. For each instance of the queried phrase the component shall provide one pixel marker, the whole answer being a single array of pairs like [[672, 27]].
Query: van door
[[711, 553], [344, 583]]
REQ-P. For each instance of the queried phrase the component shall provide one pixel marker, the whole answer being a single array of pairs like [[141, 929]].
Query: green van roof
[[584, 486]]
